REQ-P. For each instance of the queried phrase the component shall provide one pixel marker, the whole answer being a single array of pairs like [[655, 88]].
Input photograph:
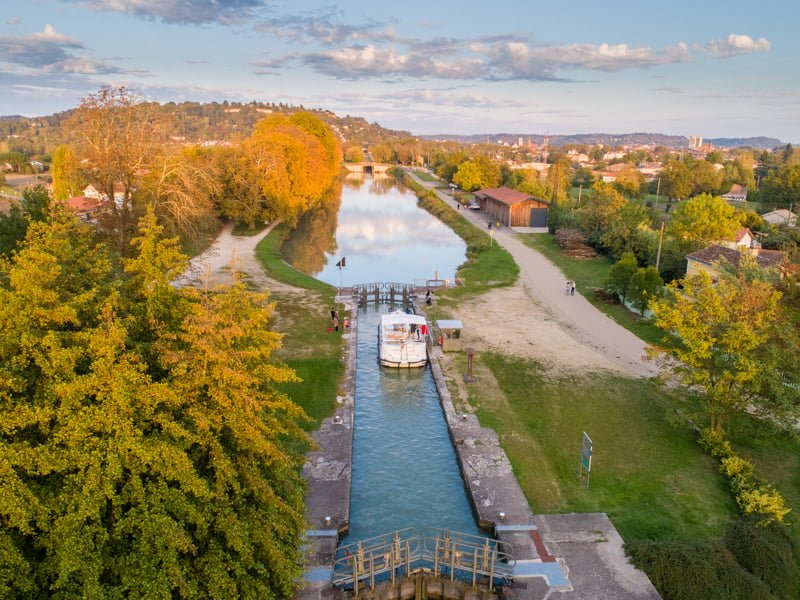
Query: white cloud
[[193, 12], [735, 44]]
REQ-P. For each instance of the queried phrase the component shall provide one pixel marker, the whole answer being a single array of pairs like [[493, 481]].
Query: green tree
[[703, 219], [781, 188], [704, 177], [619, 277], [130, 473], [64, 169], [645, 286], [559, 178], [597, 212], [719, 330], [629, 231], [35, 206], [676, 180]]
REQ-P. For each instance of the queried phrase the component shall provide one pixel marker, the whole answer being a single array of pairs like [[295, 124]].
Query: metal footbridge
[[439, 553]]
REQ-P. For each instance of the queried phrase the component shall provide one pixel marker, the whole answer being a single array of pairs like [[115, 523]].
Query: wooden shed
[[513, 208], [450, 332]]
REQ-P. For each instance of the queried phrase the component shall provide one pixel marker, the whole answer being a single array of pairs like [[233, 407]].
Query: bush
[[753, 496], [691, 571], [769, 553]]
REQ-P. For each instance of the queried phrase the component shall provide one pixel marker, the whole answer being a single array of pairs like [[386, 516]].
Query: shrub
[[694, 570], [769, 553]]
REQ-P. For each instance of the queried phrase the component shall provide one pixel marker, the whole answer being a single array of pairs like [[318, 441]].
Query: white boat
[[402, 340]]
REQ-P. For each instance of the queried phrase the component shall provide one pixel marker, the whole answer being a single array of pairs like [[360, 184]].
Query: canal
[[405, 472]]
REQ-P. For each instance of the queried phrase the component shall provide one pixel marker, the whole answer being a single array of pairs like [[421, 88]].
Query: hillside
[[191, 122]]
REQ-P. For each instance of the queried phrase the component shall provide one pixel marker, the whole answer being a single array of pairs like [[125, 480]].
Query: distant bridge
[[367, 167]]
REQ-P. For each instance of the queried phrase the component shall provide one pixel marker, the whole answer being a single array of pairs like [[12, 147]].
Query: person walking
[[572, 289], [568, 288]]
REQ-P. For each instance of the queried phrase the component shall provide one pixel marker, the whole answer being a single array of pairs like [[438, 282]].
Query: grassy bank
[[648, 472], [663, 492], [303, 316], [487, 265], [592, 273]]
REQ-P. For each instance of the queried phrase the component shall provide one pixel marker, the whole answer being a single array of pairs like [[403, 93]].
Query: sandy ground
[[536, 318], [214, 265], [511, 321]]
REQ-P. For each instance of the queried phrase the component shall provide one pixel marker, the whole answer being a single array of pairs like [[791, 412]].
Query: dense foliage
[[143, 449]]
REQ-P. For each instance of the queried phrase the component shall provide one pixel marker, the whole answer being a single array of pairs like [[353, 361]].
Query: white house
[[780, 216]]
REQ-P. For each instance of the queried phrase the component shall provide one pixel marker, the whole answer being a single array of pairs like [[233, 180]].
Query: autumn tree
[[354, 154], [716, 334], [181, 183], [559, 178], [629, 181], [114, 133], [144, 448]]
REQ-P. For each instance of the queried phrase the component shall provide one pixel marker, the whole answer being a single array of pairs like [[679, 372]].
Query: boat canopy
[[401, 318]]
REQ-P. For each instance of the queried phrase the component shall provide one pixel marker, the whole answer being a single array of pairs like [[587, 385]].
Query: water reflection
[[382, 232], [313, 240]]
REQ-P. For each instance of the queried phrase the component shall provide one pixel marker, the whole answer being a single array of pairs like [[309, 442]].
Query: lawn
[[304, 319], [425, 176], [588, 274], [243, 229], [648, 472]]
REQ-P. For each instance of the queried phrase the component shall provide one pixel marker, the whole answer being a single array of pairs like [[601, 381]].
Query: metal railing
[[440, 553]]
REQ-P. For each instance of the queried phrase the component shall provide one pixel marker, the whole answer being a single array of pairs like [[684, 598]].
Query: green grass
[[592, 273], [304, 318], [425, 176], [648, 472], [487, 265], [268, 252]]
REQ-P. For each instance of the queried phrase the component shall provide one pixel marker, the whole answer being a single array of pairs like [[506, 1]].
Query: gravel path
[[577, 318]]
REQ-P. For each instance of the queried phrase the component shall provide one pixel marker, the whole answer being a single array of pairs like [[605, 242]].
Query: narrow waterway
[[405, 472]]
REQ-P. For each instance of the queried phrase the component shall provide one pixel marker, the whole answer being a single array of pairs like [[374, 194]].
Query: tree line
[[144, 448]]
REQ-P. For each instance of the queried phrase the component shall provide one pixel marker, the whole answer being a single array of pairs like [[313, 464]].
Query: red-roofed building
[[83, 206], [513, 208]]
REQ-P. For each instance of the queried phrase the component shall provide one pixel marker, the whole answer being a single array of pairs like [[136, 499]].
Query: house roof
[[507, 195], [741, 233], [712, 255], [780, 215], [737, 189], [81, 204]]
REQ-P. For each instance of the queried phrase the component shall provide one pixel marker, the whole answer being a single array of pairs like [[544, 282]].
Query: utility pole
[[658, 189], [660, 239]]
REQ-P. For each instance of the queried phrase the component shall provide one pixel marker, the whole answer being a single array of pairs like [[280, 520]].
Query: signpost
[[586, 458], [341, 264]]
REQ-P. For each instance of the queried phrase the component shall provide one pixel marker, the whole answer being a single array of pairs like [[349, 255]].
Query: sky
[[706, 67]]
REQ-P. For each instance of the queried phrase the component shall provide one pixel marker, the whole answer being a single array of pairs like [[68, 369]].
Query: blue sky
[[710, 68]]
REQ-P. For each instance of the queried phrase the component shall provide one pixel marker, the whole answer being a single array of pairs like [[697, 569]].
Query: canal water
[[405, 472], [381, 232]]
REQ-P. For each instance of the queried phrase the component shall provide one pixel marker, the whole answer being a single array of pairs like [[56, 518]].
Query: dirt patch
[[574, 243], [510, 321]]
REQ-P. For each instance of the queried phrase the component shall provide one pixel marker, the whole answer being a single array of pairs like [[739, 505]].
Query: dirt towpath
[[214, 264], [565, 323]]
